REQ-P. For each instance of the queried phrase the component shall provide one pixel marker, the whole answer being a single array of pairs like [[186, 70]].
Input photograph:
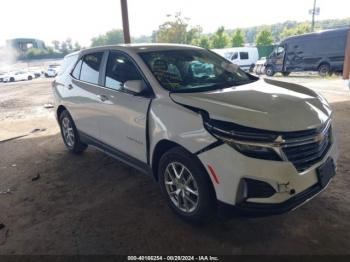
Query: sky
[[83, 19]]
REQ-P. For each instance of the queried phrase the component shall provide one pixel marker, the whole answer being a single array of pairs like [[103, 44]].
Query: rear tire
[[269, 71], [12, 79], [70, 133], [186, 186], [324, 70], [30, 77]]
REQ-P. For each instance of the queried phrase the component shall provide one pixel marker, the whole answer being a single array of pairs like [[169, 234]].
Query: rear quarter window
[[77, 69]]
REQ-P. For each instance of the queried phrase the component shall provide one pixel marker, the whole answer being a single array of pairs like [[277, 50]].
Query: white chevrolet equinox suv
[[216, 139]]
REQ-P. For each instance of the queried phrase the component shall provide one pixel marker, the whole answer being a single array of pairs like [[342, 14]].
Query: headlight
[[248, 141], [255, 151]]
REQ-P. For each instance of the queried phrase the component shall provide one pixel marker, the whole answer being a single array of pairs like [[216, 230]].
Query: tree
[[238, 38], [142, 39], [193, 33], [77, 46], [112, 37], [56, 45], [174, 31], [220, 38], [202, 41], [64, 48], [298, 30], [69, 44], [264, 37]]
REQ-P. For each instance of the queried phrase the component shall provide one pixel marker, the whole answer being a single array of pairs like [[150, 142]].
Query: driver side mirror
[[134, 86]]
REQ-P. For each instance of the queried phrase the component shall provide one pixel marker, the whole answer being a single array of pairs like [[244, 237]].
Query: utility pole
[[313, 16], [125, 17], [314, 11], [346, 69]]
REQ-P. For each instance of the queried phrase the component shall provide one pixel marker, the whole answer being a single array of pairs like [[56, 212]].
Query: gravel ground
[[93, 204]]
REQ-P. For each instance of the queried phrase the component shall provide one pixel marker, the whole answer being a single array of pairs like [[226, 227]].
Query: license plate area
[[325, 172]]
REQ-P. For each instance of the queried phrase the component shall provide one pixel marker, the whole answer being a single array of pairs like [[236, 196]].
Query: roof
[[136, 48], [339, 31]]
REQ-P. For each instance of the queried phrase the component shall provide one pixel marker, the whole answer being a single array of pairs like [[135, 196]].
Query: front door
[[277, 58], [124, 115]]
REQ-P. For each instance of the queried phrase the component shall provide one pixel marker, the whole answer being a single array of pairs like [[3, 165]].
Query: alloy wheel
[[68, 132], [181, 187]]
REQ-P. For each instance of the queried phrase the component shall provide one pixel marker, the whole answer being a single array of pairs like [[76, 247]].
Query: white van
[[245, 57]]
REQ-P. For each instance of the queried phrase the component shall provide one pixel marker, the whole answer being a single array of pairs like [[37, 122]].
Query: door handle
[[70, 86], [103, 98]]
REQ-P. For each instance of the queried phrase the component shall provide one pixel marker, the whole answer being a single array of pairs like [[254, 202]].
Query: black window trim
[[76, 63], [81, 58], [148, 94], [102, 72]]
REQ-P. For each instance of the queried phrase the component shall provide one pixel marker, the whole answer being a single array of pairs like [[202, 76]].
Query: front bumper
[[261, 209], [232, 167]]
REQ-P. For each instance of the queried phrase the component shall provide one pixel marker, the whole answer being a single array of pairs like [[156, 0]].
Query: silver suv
[[213, 136]]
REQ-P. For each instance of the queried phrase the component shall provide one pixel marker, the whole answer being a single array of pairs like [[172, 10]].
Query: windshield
[[194, 70]]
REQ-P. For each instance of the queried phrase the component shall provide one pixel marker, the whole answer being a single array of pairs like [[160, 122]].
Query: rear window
[[90, 67]]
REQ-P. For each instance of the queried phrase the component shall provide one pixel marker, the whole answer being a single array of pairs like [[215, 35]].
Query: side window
[[77, 69], [90, 67], [280, 51], [244, 55], [119, 70], [234, 56]]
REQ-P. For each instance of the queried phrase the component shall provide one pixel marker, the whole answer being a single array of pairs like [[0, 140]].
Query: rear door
[[82, 94], [123, 115]]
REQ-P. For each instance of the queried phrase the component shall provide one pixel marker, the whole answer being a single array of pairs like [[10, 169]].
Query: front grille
[[304, 149]]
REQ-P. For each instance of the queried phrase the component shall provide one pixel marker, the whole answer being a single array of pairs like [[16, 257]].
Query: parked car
[[18, 76], [244, 57], [259, 68], [219, 139], [37, 73], [323, 52], [52, 70], [2, 75]]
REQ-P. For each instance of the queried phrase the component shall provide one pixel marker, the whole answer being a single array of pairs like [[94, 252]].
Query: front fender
[[173, 122]]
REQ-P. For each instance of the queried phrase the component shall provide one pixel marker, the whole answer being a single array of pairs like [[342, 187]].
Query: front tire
[[324, 70], [70, 133], [186, 186], [30, 78], [269, 71]]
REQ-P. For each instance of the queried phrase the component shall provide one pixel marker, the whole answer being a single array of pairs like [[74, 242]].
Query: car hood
[[263, 104]]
